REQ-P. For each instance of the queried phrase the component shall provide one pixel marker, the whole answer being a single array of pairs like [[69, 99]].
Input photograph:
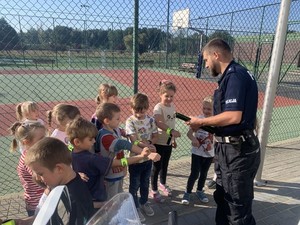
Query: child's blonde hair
[[49, 152], [106, 110], [166, 85], [104, 92], [23, 131], [80, 128], [25, 108], [62, 112], [139, 102], [208, 99]]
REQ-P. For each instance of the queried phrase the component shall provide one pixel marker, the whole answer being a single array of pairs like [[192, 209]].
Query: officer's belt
[[231, 139]]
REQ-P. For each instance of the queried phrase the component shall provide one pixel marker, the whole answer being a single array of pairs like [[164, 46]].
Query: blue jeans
[[139, 179], [199, 168]]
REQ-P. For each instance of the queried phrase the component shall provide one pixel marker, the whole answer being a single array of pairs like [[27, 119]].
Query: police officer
[[237, 149]]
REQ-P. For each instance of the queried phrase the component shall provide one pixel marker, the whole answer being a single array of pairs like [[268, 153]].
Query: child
[[202, 155], [142, 131], [82, 135], [63, 114], [50, 160], [28, 134], [106, 93], [109, 143], [165, 120], [28, 112]]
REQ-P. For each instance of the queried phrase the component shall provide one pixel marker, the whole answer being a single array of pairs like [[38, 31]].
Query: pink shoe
[[165, 189], [156, 196]]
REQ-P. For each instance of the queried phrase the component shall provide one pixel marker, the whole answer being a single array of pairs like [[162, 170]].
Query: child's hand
[[123, 132], [195, 142], [175, 133], [117, 169], [152, 148], [146, 151], [174, 144], [154, 157], [83, 177]]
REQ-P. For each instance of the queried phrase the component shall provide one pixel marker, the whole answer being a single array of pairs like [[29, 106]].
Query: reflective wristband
[[169, 131], [70, 147], [136, 142], [9, 222], [124, 162]]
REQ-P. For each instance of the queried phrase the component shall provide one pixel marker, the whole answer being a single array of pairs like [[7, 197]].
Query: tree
[[9, 38], [115, 40], [31, 39], [62, 37], [223, 34]]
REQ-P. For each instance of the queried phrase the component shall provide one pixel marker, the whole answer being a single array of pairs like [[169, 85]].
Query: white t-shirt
[[27, 121], [168, 113], [60, 135], [206, 148], [143, 129]]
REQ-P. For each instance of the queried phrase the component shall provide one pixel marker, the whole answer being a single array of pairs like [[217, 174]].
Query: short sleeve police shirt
[[237, 92]]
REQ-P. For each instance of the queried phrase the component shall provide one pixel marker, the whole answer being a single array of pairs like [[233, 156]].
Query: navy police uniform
[[237, 149]]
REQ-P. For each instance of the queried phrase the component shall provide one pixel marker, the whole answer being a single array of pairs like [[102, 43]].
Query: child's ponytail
[[19, 113]]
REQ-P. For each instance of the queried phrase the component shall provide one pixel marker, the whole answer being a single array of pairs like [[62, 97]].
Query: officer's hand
[[194, 123]]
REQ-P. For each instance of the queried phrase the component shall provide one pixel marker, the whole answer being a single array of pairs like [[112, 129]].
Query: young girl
[[63, 114], [27, 112], [28, 134], [106, 93], [165, 120], [202, 156]]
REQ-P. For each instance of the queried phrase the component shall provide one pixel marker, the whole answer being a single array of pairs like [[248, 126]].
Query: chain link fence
[[61, 51]]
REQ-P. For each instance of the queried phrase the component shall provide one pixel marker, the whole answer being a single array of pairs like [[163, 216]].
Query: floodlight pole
[[85, 6], [167, 35], [135, 46], [276, 60]]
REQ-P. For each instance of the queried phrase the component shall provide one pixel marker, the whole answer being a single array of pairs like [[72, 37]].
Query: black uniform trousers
[[236, 166]]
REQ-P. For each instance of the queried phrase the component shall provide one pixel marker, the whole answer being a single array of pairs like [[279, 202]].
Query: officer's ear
[[216, 55]]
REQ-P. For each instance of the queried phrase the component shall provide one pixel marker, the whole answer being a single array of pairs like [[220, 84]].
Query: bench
[[145, 62], [43, 61], [188, 67]]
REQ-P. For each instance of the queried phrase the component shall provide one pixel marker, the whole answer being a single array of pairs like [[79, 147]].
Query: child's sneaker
[[165, 189], [202, 197], [156, 196], [141, 216], [147, 209], [186, 198], [211, 184]]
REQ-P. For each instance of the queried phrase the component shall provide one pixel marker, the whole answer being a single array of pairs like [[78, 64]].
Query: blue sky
[[118, 14]]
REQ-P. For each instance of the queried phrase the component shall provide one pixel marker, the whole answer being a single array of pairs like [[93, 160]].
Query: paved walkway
[[278, 203]]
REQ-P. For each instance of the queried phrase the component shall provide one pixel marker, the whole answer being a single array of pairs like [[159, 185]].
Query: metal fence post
[[272, 83], [135, 46]]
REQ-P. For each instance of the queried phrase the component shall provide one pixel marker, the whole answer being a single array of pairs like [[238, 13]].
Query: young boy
[[109, 142], [142, 131], [50, 160], [81, 134], [202, 155]]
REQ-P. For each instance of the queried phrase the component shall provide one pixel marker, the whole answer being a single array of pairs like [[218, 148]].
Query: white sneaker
[[147, 209], [141, 216]]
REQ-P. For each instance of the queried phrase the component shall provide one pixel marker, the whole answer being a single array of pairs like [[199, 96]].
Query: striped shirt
[[32, 191]]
